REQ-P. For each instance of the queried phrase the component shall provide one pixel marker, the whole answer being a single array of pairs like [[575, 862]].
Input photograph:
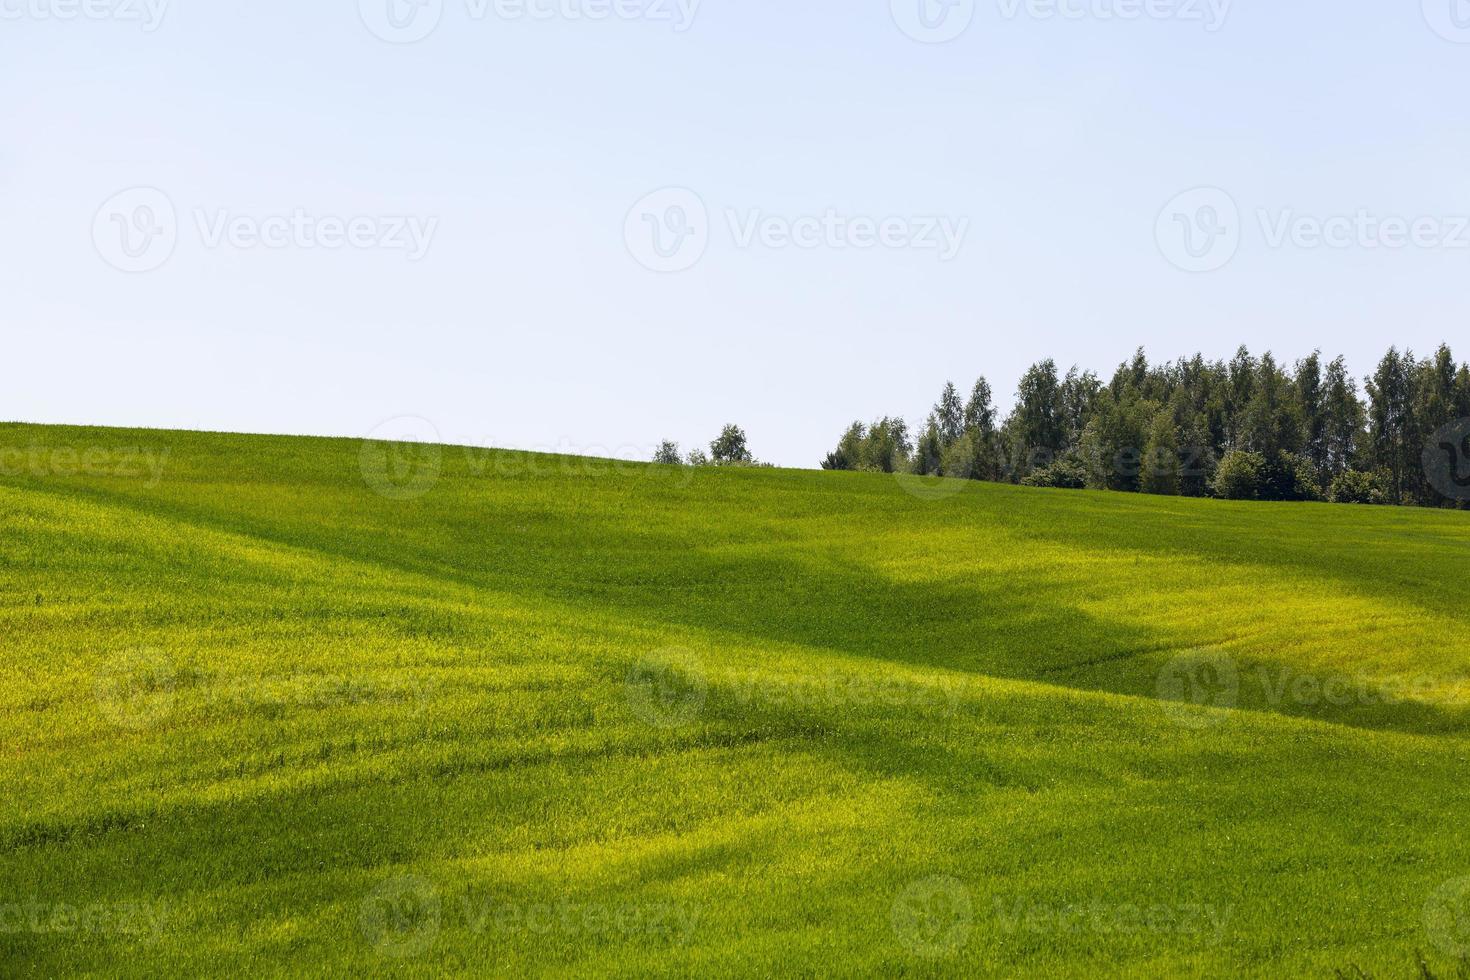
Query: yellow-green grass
[[292, 706]]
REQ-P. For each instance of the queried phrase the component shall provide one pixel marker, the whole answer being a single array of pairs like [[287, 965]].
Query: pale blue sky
[[522, 144]]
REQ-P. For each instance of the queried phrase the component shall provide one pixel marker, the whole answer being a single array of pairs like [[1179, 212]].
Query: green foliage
[[929, 450], [882, 447], [1241, 476], [667, 454], [1067, 473], [730, 448], [1355, 487], [1306, 425], [1160, 473]]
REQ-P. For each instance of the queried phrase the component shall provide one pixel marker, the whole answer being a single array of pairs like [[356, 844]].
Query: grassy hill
[[295, 705]]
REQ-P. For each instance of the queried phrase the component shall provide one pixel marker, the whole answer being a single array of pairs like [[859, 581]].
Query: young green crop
[[302, 706]]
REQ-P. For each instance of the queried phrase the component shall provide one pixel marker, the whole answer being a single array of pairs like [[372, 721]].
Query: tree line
[[1246, 428]]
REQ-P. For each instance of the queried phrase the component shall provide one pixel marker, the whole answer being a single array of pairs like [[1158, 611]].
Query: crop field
[[280, 706]]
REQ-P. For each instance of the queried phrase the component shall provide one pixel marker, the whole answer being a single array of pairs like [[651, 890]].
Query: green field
[[284, 706]]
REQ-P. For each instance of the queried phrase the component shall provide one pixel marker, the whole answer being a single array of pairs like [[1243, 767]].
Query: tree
[[1244, 427], [1113, 442], [929, 453], [1342, 421], [849, 452], [888, 448], [1272, 420], [1197, 457], [1035, 426], [667, 453], [1312, 397], [1435, 406], [1239, 476], [883, 447], [979, 412], [1241, 388], [1391, 419], [730, 448], [981, 434], [1079, 392], [949, 415], [1161, 456]]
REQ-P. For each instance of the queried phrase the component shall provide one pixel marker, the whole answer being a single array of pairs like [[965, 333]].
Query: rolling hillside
[[297, 706]]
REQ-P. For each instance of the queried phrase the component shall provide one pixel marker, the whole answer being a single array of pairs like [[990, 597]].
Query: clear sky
[[588, 225]]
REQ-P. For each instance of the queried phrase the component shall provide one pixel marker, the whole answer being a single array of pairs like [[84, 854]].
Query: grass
[[271, 706]]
